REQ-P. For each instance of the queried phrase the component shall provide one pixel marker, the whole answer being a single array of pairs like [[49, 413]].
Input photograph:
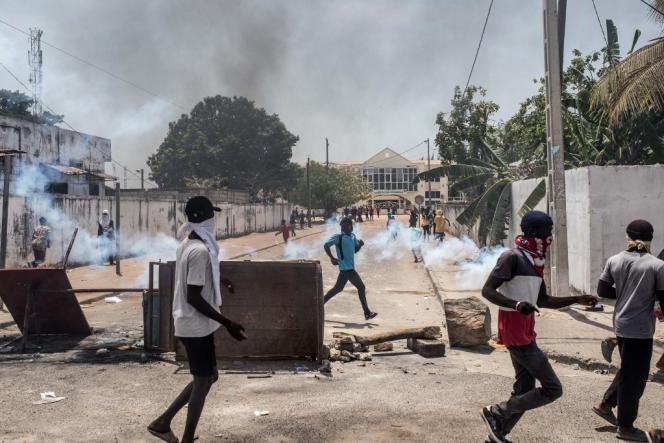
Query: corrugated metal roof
[[72, 170]]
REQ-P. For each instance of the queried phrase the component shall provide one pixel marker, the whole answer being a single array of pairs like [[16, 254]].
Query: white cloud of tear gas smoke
[[474, 264], [87, 249], [475, 272], [453, 250]]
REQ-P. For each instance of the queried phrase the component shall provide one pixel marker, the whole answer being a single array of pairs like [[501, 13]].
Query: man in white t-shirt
[[196, 314]]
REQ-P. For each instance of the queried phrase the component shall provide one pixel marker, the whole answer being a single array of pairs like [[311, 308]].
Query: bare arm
[[544, 300], [195, 299], [660, 296], [490, 292], [328, 251]]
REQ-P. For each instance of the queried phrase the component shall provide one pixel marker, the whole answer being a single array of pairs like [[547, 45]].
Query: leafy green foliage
[[330, 188], [17, 104], [461, 132], [230, 138]]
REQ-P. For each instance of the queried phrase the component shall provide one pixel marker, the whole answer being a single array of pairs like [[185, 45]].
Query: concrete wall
[[141, 221], [54, 145], [601, 201]]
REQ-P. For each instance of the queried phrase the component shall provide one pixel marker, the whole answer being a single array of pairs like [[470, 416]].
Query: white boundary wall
[[139, 218], [601, 201]]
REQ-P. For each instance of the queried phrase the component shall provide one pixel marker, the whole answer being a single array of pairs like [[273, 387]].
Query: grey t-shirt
[[637, 276]]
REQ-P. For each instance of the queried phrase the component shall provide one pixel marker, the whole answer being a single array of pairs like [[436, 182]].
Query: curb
[[439, 296]]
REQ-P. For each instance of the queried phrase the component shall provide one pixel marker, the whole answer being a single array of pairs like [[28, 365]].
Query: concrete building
[[72, 162], [391, 176]]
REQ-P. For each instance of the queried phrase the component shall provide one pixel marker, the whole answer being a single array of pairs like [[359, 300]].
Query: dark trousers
[[630, 381], [427, 232], [40, 256], [353, 277], [530, 364]]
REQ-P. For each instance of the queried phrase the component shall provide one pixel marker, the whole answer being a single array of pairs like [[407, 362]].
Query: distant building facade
[[391, 175], [72, 162]]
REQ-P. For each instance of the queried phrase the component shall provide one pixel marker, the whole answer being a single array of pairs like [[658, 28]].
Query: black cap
[[640, 230], [199, 209], [536, 223]]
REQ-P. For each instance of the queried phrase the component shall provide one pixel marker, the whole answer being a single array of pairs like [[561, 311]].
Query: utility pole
[[117, 227], [5, 210], [125, 177], [327, 154], [554, 14], [429, 170], [308, 195], [142, 172]]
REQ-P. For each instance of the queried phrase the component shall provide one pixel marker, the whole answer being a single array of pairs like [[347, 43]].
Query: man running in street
[[196, 314], [517, 286], [635, 279], [347, 245]]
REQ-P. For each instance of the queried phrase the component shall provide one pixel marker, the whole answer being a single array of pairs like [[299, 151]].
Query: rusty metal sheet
[[280, 303], [50, 313]]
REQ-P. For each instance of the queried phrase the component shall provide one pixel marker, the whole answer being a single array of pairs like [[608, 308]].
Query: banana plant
[[488, 182]]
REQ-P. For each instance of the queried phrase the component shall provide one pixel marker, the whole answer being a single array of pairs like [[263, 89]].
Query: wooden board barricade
[[280, 304]]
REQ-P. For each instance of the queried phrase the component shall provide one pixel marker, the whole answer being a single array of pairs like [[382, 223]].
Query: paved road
[[396, 397]]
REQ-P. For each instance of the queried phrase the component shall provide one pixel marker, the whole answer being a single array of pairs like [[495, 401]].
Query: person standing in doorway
[[635, 279], [106, 237], [197, 315], [347, 245], [517, 286], [41, 241]]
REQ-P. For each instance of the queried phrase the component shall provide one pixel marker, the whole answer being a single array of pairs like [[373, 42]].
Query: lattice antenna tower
[[35, 62]]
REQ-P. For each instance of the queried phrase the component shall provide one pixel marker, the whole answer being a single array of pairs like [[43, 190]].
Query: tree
[[489, 183], [462, 130], [17, 104], [330, 188], [634, 85], [227, 140]]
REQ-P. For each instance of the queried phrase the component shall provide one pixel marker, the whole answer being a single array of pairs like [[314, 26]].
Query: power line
[[652, 7], [99, 68], [472, 68], [599, 21], [70, 126]]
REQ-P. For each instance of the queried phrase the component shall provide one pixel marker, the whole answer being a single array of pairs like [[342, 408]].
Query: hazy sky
[[366, 74]]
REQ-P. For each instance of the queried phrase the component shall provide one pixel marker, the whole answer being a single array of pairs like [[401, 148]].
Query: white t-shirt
[[192, 267]]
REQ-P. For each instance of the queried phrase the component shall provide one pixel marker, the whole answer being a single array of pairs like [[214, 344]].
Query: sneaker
[[632, 434], [655, 436], [493, 424], [370, 315]]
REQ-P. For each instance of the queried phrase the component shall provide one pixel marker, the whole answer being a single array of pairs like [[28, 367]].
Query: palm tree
[[489, 183], [635, 84]]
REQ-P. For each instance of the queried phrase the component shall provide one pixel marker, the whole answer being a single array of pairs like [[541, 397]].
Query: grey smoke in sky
[[365, 74]]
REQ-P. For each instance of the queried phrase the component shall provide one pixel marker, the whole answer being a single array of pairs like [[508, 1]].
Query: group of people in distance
[[634, 278], [361, 213]]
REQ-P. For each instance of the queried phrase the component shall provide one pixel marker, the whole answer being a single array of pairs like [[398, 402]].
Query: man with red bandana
[[516, 285]]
